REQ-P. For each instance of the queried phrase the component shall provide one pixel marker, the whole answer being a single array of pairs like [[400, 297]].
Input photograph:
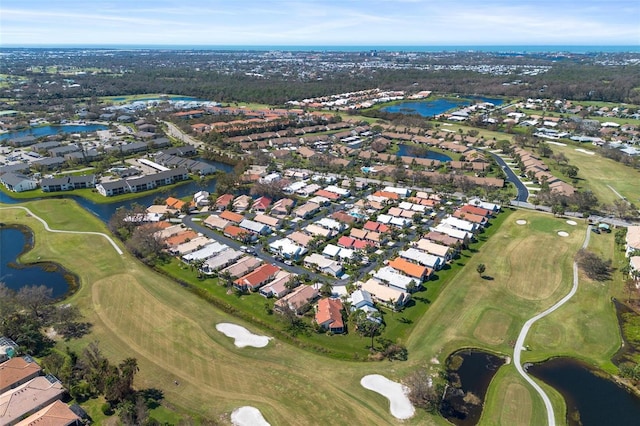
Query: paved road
[[519, 346], [46, 226], [523, 192]]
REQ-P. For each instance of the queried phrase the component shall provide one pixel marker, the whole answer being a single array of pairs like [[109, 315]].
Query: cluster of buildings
[[28, 397], [632, 250]]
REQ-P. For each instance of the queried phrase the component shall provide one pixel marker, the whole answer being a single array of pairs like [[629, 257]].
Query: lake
[[406, 150], [39, 132], [590, 399], [15, 241], [436, 106]]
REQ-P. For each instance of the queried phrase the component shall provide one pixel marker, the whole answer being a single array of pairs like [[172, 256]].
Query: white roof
[[394, 278], [331, 250], [345, 253], [337, 190], [308, 189], [399, 221], [205, 252], [359, 297], [320, 261], [384, 218], [422, 258], [452, 232], [318, 230], [400, 191], [295, 186], [318, 199], [485, 205], [191, 246], [253, 226], [454, 222], [329, 223], [221, 259], [287, 247]]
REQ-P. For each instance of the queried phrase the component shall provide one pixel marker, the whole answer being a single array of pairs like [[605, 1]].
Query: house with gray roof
[[17, 182], [49, 163], [67, 183]]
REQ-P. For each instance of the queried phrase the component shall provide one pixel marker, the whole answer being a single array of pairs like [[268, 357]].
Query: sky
[[316, 22]]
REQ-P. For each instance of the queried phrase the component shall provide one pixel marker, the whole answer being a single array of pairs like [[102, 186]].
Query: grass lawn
[[141, 313], [597, 173]]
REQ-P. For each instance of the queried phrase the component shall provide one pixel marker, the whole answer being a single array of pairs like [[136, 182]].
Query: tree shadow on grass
[[487, 277]]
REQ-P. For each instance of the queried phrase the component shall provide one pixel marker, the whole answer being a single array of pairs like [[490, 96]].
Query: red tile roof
[[258, 277], [224, 200], [409, 268], [475, 210], [371, 226], [346, 241], [327, 194], [329, 313]]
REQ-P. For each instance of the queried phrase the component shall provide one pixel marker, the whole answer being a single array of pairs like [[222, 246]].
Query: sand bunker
[[572, 222], [242, 336], [563, 234], [248, 416], [400, 406], [521, 222], [584, 151]]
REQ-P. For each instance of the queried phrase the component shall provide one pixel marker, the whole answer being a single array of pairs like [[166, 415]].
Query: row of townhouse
[[143, 183]]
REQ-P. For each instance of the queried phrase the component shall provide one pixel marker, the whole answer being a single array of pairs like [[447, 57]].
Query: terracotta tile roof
[[329, 313], [475, 210], [231, 216], [258, 277], [224, 200], [174, 203], [371, 226], [234, 231], [180, 238], [327, 194], [475, 218], [17, 370], [56, 414], [409, 268], [387, 194], [346, 242]]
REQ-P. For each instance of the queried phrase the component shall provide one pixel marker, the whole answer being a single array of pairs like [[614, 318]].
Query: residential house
[[55, 414], [67, 183], [254, 280], [329, 315], [215, 222], [444, 239], [201, 198], [470, 217], [463, 225], [17, 371], [411, 269], [261, 204], [343, 217], [166, 177], [300, 238], [223, 201], [270, 221], [423, 258], [461, 235], [278, 287], [209, 250], [431, 247], [242, 203], [319, 231], [323, 264], [306, 210], [190, 246], [385, 294], [255, 227], [299, 300], [287, 249], [231, 216], [221, 260], [632, 240], [282, 207], [28, 398], [18, 182], [485, 205], [391, 277], [468, 208], [237, 233], [242, 267]]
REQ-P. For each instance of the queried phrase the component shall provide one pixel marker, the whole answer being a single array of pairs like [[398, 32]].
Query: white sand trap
[[521, 222], [563, 234], [248, 416], [242, 336], [556, 143], [572, 222], [584, 151], [401, 408]]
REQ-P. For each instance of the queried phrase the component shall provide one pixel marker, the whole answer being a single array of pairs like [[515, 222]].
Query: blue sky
[[315, 22]]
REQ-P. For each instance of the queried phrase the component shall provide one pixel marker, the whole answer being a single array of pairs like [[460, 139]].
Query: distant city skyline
[[315, 22]]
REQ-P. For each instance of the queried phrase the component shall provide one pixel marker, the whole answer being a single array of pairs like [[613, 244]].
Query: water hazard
[[13, 242], [430, 108]]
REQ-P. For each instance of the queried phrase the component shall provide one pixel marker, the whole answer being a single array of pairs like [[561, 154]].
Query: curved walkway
[[519, 346], [46, 226]]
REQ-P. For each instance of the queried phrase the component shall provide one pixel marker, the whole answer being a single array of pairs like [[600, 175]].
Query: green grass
[[597, 172], [140, 313]]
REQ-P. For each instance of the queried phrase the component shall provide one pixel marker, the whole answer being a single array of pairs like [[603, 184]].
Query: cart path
[[46, 226], [519, 346]]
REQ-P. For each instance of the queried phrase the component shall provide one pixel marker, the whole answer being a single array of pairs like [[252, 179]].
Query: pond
[[469, 373], [590, 398], [420, 152], [13, 242], [39, 132], [431, 108]]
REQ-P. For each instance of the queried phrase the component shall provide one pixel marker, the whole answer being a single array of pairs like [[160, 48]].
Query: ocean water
[[578, 49]]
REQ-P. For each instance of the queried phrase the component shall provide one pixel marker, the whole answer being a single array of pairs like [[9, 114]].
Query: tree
[[422, 391], [595, 267], [35, 299], [326, 290], [481, 268], [368, 325]]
